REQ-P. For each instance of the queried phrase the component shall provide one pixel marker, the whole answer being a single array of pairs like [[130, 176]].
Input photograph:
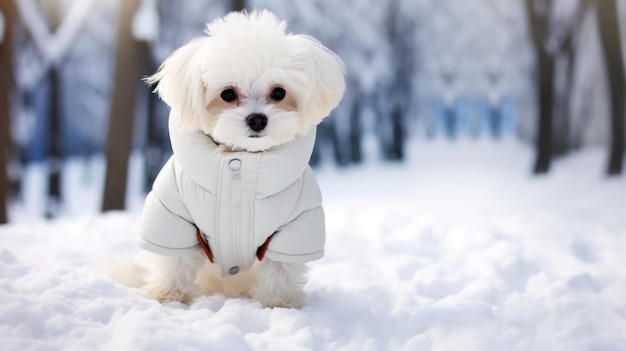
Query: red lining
[[260, 252], [205, 245]]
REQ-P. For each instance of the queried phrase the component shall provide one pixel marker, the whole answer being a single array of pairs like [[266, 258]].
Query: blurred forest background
[[549, 73]]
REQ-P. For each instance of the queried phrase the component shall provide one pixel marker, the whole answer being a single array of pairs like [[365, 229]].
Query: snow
[[458, 249]]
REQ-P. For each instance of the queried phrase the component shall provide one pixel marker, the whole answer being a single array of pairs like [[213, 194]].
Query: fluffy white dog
[[236, 209]]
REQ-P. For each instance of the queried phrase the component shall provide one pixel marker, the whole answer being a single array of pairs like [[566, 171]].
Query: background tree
[[238, 5], [7, 10], [608, 27], [566, 44], [129, 55], [538, 12], [54, 123], [393, 127]]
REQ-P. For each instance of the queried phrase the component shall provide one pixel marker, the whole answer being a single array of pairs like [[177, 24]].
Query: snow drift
[[459, 249]]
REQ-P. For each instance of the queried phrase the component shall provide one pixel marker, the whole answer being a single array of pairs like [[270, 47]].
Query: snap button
[[233, 270], [234, 164]]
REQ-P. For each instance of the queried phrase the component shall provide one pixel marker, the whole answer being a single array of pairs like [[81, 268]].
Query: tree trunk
[[545, 67], [54, 157], [121, 123], [355, 133], [538, 12], [238, 5], [608, 26], [54, 143], [157, 149], [7, 8], [397, 132], [400, 31], [336, 141]]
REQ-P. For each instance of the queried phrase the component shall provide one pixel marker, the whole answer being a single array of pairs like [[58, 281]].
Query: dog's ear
[[329, 81], [180, 85]]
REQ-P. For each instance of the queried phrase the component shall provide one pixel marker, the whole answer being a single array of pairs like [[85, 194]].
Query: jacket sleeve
[[166, 227], [302, 238]]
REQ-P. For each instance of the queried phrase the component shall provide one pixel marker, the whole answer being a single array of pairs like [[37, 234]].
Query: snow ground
[[459, 249]]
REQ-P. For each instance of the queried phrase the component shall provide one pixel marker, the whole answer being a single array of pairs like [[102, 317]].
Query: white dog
[[238, 191]]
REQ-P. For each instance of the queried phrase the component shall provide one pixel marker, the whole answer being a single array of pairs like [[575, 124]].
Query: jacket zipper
[[236, 214]]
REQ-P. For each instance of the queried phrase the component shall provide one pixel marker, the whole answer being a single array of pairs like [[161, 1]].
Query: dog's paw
[[280, 284], [285, 299], [163, 294]]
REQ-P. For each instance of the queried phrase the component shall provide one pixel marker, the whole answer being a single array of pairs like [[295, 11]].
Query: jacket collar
[[201, 158]]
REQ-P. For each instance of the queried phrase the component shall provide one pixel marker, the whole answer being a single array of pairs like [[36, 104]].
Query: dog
[[237, 210]]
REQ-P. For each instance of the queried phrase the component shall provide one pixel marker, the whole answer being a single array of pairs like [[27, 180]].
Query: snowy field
[[459, 249]]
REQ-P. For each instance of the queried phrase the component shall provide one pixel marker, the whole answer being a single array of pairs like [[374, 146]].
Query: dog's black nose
[[257, 121]]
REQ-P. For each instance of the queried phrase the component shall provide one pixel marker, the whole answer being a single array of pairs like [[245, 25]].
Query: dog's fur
[[249, 55]]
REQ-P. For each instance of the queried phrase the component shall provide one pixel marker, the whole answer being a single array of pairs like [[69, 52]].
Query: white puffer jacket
[[237, 200]]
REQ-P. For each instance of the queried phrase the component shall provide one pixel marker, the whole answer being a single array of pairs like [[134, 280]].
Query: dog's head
[[249, 84]]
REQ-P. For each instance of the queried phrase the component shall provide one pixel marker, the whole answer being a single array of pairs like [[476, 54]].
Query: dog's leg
[[280, 284], [171, 278]]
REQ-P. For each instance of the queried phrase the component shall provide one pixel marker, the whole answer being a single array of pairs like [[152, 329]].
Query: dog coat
[[237, 200]]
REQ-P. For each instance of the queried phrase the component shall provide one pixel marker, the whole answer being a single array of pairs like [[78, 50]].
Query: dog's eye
[[278, 94], [228, 95]]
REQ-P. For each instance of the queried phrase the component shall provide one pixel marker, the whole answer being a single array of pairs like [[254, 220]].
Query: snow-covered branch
[[146, 21], [52, 47]]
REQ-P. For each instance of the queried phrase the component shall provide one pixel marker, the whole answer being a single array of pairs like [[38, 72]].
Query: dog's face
[[250, 85]]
